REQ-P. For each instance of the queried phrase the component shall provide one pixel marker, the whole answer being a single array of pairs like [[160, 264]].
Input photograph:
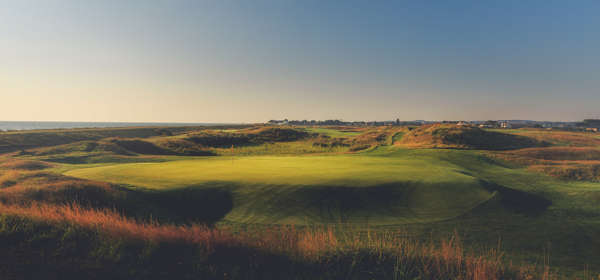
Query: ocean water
[[27, 125]]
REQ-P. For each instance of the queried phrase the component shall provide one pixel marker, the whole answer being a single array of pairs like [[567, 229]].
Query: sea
[[30, 125]]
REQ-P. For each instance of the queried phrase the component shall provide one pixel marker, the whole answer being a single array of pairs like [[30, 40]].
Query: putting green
[[315, 189]]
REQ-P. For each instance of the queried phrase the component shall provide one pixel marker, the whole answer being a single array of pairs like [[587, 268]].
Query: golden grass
[[433, 260], [573, 163], [20, 164], [574, 171], [463, 137], [9, 178], [568, 138], [559, 153]]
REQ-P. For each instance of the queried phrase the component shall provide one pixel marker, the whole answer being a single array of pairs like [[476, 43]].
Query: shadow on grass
[[519, 201], [192, 204], [341, 204], [205, 205]]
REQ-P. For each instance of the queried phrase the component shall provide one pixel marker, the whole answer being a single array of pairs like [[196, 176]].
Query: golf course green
[[315, 189]]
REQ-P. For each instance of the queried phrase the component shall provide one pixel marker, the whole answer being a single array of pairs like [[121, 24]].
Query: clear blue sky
[[247, 61]]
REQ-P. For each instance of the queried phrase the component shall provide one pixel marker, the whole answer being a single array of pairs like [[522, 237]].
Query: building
[[505, 125]]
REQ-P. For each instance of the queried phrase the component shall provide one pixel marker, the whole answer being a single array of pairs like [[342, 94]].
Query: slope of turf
[[316, 189]]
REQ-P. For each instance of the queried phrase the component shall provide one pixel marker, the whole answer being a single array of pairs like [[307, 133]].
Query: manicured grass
[[316, 189]]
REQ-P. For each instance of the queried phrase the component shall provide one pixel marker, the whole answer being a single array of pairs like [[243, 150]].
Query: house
[[505, 125], [278, 122]]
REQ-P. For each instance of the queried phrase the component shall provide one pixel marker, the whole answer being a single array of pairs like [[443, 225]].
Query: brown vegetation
[[572, 163], [571, 171], [369, 139], [562, 138], [464, 137], [430, 260], [558, 153], [100, 146], [29, 139], [253, 136], [19, 164]]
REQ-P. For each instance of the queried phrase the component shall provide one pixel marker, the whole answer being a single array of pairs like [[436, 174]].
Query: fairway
[[314, 189]]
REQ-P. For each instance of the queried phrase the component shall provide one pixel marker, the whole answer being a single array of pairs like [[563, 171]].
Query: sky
[[252, 61]]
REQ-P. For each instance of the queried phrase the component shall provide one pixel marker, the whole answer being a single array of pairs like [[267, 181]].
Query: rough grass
[[180, 206], [336, 131], [276, 253], [571, 171], [248, 141], [572, 163], [560, 138], [100, 146], [464, 137], [310, 146], [251, 136], [22, 140], [19, 164], [559, 153]]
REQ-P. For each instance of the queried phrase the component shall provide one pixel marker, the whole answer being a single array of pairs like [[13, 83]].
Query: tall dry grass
[[571, 163], [569, 138], [321, 245]]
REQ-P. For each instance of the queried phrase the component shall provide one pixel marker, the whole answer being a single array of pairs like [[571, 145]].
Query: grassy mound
[[254, 136], [560, 138], [142, 147], [464, 137], [21, 140], [187, 205], [570, 163], [87, 151], [100, 146], [178, 146], [356, 140], [338, 132], [571, 171], [559, 153], [19, 164]]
